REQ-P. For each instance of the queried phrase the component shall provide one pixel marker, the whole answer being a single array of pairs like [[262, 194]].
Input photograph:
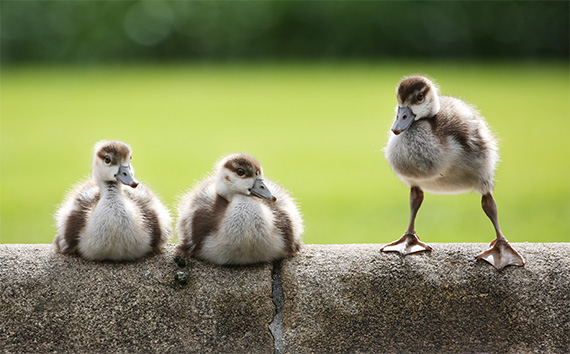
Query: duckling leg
[[501, 254], [410, 242]]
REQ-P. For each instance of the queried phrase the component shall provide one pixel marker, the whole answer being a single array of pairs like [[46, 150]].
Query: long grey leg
[[410, 242], [416, 199], [501, 254], [490, 209]]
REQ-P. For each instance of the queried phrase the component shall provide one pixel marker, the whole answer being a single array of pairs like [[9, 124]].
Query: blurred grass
[[318, 129]]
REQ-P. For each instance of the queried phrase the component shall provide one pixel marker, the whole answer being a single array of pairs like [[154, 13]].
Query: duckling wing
[[73, 214], [287, 217], [156, 217], [199, 213]]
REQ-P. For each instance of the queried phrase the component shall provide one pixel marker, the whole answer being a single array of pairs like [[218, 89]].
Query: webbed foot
[[409, 243], [501, 255]]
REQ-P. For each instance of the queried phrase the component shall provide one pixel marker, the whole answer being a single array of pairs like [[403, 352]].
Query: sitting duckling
[[234, 217], [112, 216], [443, 145]]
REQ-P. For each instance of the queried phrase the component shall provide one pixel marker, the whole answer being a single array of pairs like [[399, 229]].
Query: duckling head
[[241, 174], [417, 98], [112, 163]]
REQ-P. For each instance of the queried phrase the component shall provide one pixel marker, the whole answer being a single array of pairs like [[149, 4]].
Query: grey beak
[[404, 119], [125, 176], [260, 190]]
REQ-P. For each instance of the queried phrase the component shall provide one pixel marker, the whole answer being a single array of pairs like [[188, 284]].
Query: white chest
[[247, 218], [114, 231], [247, 234]]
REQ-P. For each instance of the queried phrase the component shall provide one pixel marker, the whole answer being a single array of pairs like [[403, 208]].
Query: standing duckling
[[235, 217], [112, 216], [443, 145]]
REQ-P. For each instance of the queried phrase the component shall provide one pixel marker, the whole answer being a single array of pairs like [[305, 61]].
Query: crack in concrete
[[276, 326]]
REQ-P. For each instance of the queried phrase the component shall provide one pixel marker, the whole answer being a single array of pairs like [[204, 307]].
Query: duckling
[[443, 145], [112, 216], [235, 217]]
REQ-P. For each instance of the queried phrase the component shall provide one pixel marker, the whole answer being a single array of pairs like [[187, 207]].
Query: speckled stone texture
[[50, 302], [335, 298], [353, 298]]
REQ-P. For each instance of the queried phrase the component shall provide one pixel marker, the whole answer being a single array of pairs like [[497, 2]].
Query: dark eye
[[107, 159], [240, 172], [420, 97]]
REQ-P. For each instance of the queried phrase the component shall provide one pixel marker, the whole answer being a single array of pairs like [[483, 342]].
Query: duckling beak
[[404, 119], [126, 177], [260, 190]]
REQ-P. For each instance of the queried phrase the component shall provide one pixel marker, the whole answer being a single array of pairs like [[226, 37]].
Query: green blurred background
[[306, 87]]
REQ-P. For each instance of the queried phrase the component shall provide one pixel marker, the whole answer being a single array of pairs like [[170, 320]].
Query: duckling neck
[[111, 190], [221, 199]]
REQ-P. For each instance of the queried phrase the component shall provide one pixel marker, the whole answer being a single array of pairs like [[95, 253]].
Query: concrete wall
[[330, 298]]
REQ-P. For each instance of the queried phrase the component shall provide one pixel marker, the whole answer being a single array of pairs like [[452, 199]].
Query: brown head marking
[[410, 87], [116, 150], [248, 163]]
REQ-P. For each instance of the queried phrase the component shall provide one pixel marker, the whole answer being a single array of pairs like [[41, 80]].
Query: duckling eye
[[107, 159], [240, 172], [420, 97]]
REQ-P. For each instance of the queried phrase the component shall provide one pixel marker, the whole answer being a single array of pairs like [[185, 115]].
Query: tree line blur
[[127, 31]]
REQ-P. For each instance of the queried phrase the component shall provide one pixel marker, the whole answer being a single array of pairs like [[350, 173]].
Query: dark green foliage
[[109, 31]]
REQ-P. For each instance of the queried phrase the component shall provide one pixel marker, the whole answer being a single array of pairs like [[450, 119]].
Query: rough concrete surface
[[353, 298], [50, 302], [329, 298]]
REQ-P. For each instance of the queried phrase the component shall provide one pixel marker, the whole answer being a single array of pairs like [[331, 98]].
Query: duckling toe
[[501, 255], [407, 244]]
